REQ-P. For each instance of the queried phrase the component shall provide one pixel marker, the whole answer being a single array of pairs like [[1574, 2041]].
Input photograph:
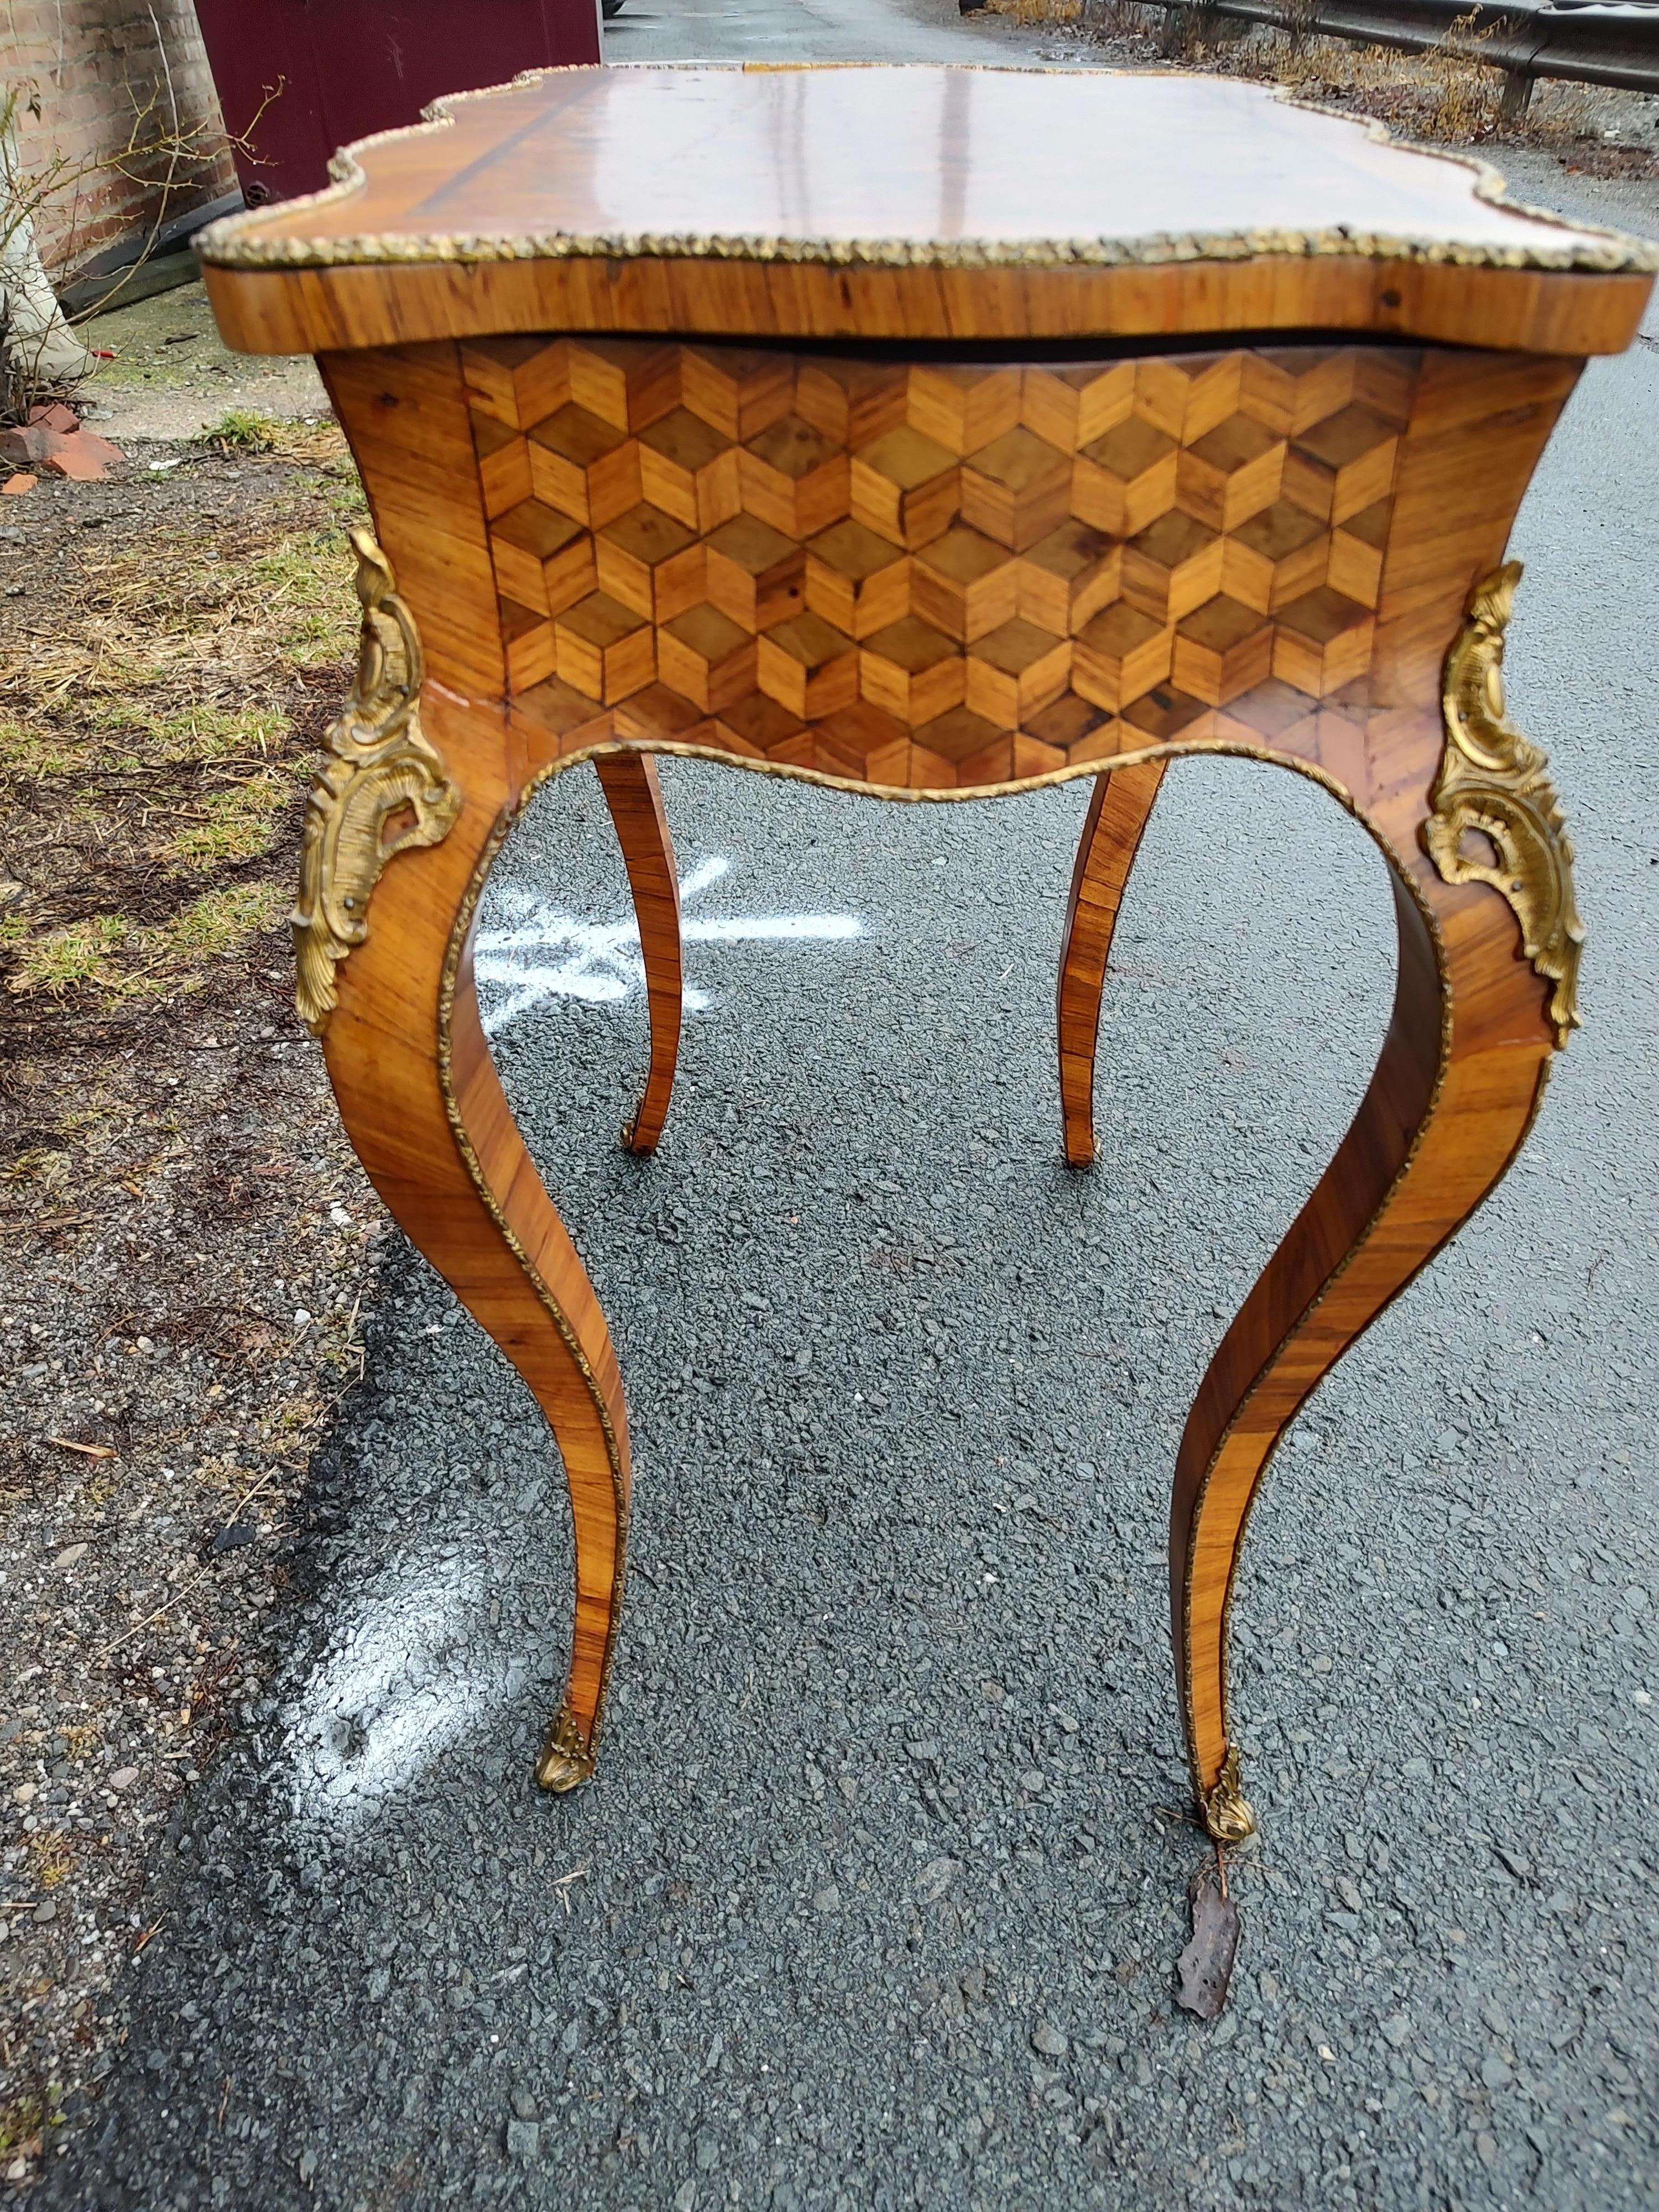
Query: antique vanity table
[[930, 433]]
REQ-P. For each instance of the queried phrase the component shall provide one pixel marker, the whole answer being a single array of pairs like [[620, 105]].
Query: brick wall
[[94, 78]]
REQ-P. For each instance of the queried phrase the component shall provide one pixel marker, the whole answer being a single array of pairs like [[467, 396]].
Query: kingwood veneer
[[814, 421]]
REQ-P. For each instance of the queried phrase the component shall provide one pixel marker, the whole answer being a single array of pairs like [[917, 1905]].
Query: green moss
[[155, 724], [51, 1169], [27, 2117], [306, 582], [29, 749], [193, 734]]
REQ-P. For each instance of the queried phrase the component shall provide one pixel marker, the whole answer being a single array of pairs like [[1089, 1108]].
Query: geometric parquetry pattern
[[923, 575]]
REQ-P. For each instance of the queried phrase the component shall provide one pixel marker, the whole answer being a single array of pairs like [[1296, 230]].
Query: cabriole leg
[[423, 1107], [1118, 814], [1454, 1090], [634, 798]]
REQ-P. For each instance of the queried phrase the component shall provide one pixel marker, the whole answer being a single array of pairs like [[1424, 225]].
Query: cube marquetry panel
[[929, 576]]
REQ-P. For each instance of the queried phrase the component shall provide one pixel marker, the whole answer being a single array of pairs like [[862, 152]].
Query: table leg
[[1118, 815], [1454, 1090], [423, 1105], [634, 798]]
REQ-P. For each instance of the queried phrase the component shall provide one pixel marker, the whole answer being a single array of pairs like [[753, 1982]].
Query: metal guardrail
[[1610, 46]]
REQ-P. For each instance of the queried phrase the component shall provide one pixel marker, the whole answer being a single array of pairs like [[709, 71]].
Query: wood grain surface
[[910, 202], [405, 1047], [1454, 1090], [917, 159], [1537, 311]]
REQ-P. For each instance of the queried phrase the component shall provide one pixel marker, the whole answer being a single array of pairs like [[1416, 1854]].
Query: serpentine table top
[[930, 433]]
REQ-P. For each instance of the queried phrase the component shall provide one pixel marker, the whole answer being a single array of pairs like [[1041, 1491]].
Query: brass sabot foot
[[1227, 1813], [566, 1760]]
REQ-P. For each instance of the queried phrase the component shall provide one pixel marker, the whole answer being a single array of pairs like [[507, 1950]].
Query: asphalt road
[[818, 30], [892, 1784]]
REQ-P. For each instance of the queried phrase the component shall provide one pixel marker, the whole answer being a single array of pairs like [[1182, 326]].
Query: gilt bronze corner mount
[[1493, 780], [382, 775]]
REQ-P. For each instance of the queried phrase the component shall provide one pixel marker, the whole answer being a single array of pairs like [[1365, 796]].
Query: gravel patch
[[184, 1231]]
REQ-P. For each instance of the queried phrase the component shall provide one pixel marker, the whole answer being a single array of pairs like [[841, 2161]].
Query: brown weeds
[[1450, 94]]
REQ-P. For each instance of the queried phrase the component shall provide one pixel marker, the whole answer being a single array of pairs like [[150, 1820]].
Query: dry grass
[[23, 2120], [1449, 95], [1453, 95], [123, 959], [150, 730], [53, 1857], [1038, 11], [242, 430]]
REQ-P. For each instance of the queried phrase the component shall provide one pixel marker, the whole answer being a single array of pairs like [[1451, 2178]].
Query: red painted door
[[297, 78]]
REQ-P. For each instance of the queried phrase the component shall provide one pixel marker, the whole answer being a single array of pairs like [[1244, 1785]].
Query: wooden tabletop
[[872, 169]]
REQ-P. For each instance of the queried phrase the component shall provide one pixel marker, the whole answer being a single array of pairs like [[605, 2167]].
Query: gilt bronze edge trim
[[1011, 787], [567, 1755], [1174, 749], [395, 249], [1225, 1811], [1228, 1813], [1260, 1484]]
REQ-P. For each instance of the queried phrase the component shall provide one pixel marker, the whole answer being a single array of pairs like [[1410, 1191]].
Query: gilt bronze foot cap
[[1227, 1813], [566, 1760]]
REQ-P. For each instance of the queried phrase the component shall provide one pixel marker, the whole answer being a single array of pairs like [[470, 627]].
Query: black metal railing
[[1582, 44]]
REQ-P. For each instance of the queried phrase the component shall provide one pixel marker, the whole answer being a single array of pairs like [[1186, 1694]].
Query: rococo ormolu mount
[[931, 433]]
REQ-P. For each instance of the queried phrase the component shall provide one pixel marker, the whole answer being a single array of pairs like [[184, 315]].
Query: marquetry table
[[930, 434]]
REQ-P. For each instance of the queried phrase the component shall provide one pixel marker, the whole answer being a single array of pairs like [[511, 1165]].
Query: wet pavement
[[875, 1898]]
